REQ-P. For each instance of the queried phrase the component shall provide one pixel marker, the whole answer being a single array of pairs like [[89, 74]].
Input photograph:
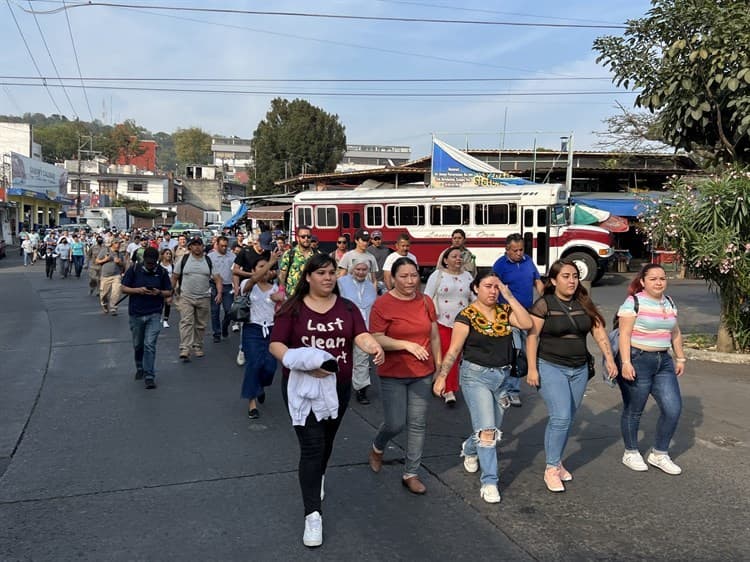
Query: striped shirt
[[654, 321]]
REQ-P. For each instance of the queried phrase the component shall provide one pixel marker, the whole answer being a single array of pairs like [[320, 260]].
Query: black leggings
[[316, 444], [167, 308]]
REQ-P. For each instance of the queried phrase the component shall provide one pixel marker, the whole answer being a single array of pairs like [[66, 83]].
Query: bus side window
[[541, 217], [356, 219], [304, 216], [528, 218], [344, 220], [374, 216]]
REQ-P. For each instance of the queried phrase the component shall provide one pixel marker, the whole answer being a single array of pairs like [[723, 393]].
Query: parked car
[[180, 227], [2, 249]]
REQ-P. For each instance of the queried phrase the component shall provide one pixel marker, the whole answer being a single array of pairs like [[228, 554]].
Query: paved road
[[96, 468]]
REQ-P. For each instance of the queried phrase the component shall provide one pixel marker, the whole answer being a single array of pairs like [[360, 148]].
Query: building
[[233, 156], [32, 192], [368, 156], [146, 160]]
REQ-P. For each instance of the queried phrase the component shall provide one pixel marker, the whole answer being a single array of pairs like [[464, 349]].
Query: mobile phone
[[331, 366]]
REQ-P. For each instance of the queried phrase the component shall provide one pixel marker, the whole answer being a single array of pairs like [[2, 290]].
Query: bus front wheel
[[586, 264]]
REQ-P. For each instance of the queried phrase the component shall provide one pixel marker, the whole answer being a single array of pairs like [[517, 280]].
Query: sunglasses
[[340, 241], [376, 237], [303, 236]]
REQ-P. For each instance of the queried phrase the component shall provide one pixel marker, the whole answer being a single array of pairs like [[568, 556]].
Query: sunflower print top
[[499, 328]]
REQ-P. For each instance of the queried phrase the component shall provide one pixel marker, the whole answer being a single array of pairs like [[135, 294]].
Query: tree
[[59, 140], [632, 131], [123, 141], [192, 146], [166, 157], [295, 137], [685, 60], [708, 222]]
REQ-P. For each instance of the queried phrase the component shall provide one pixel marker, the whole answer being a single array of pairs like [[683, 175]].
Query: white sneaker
[[241, 358], [313, 530], [323, 488], [490, 493], [236, 327], [165, 324], [663, 462], [634, 461], [471, 462]]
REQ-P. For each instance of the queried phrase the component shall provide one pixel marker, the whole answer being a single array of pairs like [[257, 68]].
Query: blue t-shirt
[[139, 276], [519, 277]]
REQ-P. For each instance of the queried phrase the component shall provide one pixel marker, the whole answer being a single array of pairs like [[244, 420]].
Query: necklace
[[566, 304]]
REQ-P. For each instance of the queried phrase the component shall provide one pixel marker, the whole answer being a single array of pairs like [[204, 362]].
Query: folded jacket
[[306, 393]]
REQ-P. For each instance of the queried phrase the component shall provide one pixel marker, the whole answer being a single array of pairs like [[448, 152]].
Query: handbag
[[520, 365], [590, 363], [240, 309]]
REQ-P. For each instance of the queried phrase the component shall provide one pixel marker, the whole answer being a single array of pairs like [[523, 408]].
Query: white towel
[[305, 392]]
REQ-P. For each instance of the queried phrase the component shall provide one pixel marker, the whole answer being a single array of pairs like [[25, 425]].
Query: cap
[[195, 240], [313, 238], [376, 234], [362, 234]]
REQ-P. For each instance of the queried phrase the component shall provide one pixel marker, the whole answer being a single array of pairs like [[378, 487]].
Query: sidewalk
[[108, 471]]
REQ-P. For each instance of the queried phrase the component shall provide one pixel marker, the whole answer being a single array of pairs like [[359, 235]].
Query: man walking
[[222, 262], [294, 260], [403, 243], [191, 280], [148, 285], [112, 262], [380, 253], [518, 271]]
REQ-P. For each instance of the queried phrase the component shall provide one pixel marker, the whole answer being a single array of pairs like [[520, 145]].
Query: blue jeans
[[218, 326], [513, 384], [562, 389], [654, 374], [405, 404], [64, 267], [260, 365], [483, 389], [78, 264], [145, 331]]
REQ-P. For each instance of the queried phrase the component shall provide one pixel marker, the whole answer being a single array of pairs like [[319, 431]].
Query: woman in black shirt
[[557, 356], [482, 332]]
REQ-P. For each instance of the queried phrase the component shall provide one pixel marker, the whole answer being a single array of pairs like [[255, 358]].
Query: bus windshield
[[560, 215]]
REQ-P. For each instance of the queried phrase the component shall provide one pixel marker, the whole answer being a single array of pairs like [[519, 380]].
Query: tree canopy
[[192, 146], [296, 137], [688, 60]]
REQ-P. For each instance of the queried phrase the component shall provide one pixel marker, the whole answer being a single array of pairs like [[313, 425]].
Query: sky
[[260, 57]]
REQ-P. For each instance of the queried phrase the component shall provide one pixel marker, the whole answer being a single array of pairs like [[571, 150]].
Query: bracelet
[[626, 363], [681, 359]]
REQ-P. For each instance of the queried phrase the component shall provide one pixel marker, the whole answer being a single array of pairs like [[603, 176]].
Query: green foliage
[[166, 156], [192, 146], [685, 59], [59, 140], [708, 222], [295, 137]]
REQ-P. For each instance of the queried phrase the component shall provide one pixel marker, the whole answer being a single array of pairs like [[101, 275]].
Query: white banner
[[37, 176]]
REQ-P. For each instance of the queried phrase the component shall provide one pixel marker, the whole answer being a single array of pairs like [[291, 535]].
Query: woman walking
[[63, 252], [449, 287], [558, 359], [314, 319], [77, 254], [256, 335], [166, 260], [482, 335], [648, 328], [403, 321]]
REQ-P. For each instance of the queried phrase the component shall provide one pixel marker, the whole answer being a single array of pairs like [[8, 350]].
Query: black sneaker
[[139, 374], [150, 383], [217, 338], [262, 397], [225, 333], [253, 414], [362, 397]]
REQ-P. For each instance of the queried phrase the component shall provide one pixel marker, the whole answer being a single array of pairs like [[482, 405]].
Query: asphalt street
[[94, 467]]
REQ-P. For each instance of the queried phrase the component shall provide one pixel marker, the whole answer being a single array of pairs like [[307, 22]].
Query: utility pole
[[83, 140]]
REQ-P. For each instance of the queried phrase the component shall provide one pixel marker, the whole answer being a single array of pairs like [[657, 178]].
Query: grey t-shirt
[[353, 257], [110, 268], [380, 253], [195, 278]]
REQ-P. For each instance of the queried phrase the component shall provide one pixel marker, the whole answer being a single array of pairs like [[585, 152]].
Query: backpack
[[184, 260]]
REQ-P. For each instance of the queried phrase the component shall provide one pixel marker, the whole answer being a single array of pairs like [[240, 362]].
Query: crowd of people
[[333, 320]]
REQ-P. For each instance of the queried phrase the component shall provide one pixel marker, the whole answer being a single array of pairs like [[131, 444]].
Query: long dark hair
[[636, 285], [444, 256], [316, 261], [581, 294]]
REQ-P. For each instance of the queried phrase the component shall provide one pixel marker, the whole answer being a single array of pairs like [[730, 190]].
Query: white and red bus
[[488, 214]]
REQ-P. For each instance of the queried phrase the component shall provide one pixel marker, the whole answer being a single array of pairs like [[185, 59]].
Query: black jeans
[[315, 445]]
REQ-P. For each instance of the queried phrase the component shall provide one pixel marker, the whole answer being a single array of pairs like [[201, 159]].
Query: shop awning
[[620, 204], [269, 213]]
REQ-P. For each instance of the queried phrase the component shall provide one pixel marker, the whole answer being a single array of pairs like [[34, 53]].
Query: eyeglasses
[[303, 236]]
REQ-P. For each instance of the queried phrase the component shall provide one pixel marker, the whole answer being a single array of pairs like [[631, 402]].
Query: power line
[[338, 94], [320, 15], [78, 64], [216, 79], [52, 60], [33, 60]]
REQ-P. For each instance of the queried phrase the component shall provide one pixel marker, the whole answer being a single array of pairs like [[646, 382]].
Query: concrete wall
[[202, 193], [16, 137]]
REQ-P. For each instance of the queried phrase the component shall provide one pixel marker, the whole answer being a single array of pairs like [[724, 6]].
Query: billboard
[[453, 168], [37, 176]]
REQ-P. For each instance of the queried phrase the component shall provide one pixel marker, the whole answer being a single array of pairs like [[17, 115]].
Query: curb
[[716, 357]]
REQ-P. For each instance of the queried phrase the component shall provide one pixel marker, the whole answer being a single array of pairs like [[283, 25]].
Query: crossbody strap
[[567, 313]]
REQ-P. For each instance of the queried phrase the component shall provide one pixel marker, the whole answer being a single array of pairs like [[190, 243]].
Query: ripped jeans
[[484, 395]]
